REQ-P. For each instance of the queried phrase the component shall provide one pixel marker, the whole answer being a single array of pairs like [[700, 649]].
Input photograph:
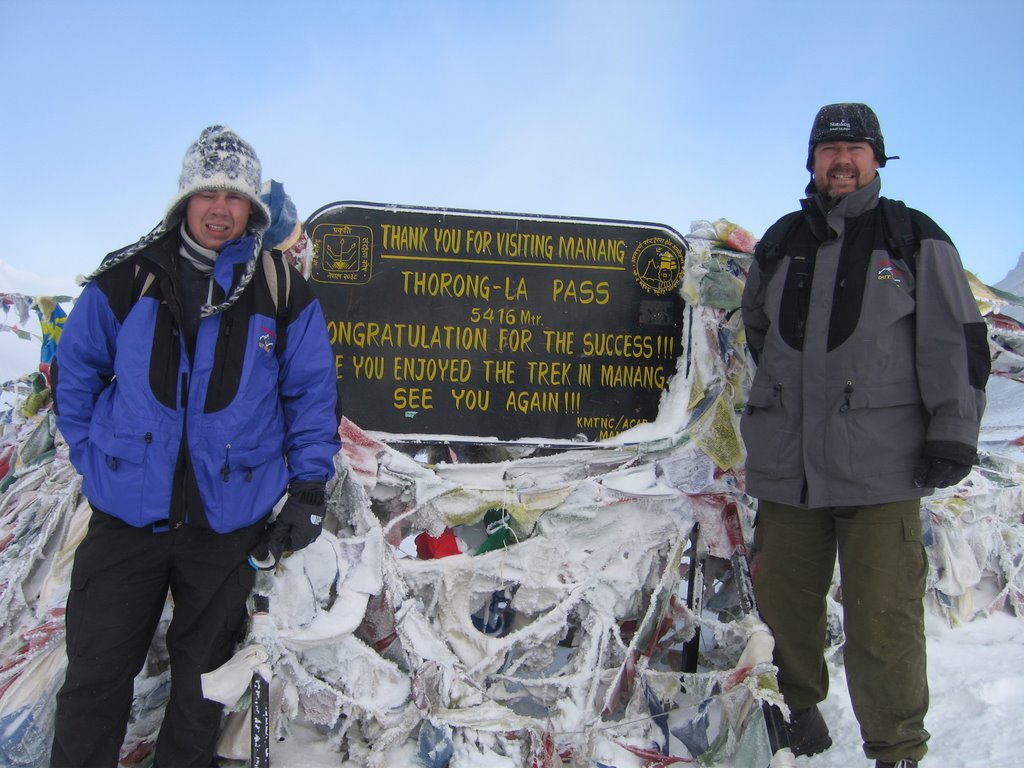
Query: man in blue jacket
[[193, 394]]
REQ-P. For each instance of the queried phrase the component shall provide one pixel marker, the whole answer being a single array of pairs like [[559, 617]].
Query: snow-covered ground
[[976, 676]]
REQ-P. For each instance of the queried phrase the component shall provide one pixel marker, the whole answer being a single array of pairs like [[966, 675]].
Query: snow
[[359, 628], [977, 695]]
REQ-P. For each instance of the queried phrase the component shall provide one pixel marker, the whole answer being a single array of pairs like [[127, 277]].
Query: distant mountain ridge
[[1014, 280]]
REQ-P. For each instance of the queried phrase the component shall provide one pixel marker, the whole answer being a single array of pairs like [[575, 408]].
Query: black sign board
[[460, 325]]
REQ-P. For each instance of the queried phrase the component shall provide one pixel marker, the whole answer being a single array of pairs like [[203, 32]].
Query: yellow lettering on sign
[[478, 241], [549, 374], [447, 240], [514, 339], [471, 399], [414, 398], [559, 342], [633, 376], [500, 371], [410, 335], [581, 292], [431, 369], [594, 249], [532, 401], [524, 245], [445, 284], [617, 345], [404, 238]]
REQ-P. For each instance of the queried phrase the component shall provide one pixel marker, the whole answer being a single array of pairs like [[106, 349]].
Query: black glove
[[939, 473], [302, 515], [944, 463], [268, 551]]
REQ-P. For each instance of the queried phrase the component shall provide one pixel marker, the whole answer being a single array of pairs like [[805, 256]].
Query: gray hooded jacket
[[865, 362]]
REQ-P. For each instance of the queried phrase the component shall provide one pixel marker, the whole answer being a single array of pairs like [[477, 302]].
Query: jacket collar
[[818, 214], [233, 253], [853, 204]]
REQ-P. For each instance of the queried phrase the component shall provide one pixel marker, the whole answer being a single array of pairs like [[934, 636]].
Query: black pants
[[119, 585]]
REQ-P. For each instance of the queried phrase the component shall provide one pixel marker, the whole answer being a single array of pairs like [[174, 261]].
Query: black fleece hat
[[846, 122]]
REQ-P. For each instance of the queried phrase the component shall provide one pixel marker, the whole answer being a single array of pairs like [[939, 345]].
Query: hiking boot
[[808, 734], [904, 763]]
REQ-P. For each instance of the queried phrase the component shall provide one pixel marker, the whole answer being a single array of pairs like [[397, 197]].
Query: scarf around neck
[[199, 257]]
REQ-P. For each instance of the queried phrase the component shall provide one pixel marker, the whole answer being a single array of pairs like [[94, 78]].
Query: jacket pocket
[[885, 428], [117, 478], [771, 431], [914, 566], [244, 483]]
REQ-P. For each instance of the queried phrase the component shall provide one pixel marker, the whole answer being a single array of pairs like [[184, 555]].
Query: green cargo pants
[[883, 571]]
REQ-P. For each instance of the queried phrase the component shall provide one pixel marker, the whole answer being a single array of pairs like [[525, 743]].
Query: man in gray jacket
[[872, 362]]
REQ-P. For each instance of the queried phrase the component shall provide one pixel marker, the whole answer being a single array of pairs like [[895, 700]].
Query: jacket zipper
[[848, 390]]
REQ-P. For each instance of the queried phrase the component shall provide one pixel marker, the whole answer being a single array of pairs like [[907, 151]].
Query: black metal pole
[[694, 598]]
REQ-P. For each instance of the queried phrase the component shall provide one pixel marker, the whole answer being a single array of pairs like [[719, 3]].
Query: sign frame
[[528, 310]]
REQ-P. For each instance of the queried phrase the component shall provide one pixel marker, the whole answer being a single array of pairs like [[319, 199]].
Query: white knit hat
[[220, 160]]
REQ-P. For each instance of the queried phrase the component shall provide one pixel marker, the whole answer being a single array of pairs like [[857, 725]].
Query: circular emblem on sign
[[658, 264]]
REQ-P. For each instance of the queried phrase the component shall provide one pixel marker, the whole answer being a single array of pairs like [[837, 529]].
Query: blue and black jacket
[[166, 432]]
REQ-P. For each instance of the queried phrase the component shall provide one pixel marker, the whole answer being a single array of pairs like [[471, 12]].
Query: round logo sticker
[[658, 265]]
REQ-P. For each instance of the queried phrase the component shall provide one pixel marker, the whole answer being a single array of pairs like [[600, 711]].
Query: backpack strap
[[148, 279], [775, 243], [279, 282], [901, 236]]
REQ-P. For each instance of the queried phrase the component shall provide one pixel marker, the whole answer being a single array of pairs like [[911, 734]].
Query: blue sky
[[655, 111]]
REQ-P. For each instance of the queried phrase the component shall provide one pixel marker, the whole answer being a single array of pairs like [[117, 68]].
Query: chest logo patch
[[890, 271], [267, 340]]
